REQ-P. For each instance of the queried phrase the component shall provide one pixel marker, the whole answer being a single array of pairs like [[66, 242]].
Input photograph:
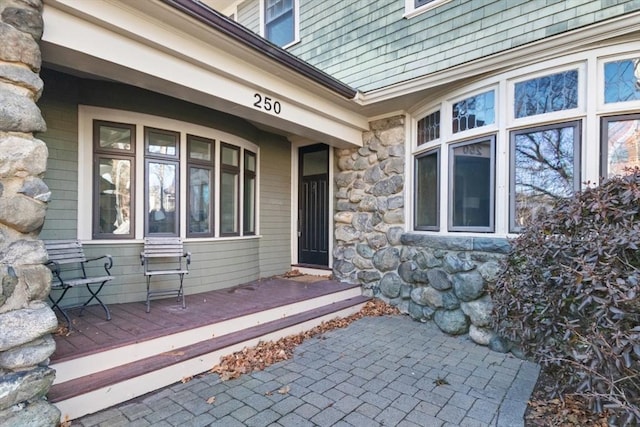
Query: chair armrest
[[55, 268], [108, 263]]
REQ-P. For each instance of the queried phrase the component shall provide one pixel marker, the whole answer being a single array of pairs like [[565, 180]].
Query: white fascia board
[[113, 32], [548, 48]]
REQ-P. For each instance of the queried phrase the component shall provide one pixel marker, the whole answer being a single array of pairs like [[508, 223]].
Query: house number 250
[[266, 103]]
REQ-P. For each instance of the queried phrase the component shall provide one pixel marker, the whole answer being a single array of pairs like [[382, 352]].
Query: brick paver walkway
[[379, 371]]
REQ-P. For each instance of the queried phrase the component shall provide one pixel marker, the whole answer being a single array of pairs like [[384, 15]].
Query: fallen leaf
[[211, 400], [284, 390], [185, 380]]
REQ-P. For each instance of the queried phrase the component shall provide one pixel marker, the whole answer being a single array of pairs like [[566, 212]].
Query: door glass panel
[[315, 163]]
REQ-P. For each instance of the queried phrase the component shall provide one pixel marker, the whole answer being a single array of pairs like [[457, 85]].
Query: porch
[[101, 363]]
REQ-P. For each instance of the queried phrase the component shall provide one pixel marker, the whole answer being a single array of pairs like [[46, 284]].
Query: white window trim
[[86, 116], [296, 23], [410, 10], [614, 107]]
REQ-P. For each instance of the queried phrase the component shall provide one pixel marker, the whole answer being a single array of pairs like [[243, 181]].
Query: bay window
[[195, 181]]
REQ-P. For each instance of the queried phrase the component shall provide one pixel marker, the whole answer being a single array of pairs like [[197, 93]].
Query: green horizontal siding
[[215, 264], [249, 15]]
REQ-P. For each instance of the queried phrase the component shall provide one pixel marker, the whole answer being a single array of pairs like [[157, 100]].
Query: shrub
[[569, 296]]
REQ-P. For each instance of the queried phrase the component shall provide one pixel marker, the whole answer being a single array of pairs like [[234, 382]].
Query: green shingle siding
[[369, 45]]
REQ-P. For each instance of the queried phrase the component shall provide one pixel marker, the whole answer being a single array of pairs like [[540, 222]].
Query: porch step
[[107, 387]]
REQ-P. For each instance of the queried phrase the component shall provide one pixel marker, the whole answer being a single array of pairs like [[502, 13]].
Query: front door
[[313, 206]]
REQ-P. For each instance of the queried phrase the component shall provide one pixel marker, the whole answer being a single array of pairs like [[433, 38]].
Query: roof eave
[[237, 32]]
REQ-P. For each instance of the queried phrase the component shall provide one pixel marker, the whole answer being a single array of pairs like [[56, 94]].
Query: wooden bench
[[69, 266], [163, 256]]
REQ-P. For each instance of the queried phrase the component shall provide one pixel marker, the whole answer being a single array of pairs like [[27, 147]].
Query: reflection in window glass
[[161, 142], [428, 191], [230, 155], [620, 144], [114, 204], [622, 80], [161, 197], [249, 202], [429, 128], [200, 148], [472, 185], [546, 94], [544, 169], [474, 112], [229, 203], [199, 201], [115, 137]]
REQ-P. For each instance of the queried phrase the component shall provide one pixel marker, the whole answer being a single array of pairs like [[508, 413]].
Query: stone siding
[[26, 321], [429, 277]]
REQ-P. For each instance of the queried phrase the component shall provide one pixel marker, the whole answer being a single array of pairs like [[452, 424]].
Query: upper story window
[[280, 26], [416, 7]]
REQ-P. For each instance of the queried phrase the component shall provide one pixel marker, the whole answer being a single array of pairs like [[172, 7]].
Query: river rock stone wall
[[429, 277], [26, 321]]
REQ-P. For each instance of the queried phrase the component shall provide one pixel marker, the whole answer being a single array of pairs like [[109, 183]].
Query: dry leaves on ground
[[571, 410], [267, 353]]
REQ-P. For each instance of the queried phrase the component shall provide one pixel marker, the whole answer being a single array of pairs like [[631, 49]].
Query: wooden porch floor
[[130, 324]]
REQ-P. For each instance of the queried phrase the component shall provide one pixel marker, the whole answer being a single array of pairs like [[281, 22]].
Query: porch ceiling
[[150, 45]]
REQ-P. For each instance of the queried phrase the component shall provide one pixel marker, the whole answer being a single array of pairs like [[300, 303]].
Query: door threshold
[[312, 270]]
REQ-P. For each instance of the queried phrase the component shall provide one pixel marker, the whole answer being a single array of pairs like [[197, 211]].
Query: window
[[114, 160], [161, 182], [474, 112], [188, 182], [471, 183], [429, 128], [416, 7], [200, 208], [620, 144], [427, 199], [249, 216], [546, 94], [279, 22], [229, 190], [544, 167], [622, 80]]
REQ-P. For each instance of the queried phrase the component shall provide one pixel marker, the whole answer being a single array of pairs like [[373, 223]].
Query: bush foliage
[[569, 296]]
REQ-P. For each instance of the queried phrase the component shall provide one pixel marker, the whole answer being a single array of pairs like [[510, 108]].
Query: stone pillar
[[26, 321]]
